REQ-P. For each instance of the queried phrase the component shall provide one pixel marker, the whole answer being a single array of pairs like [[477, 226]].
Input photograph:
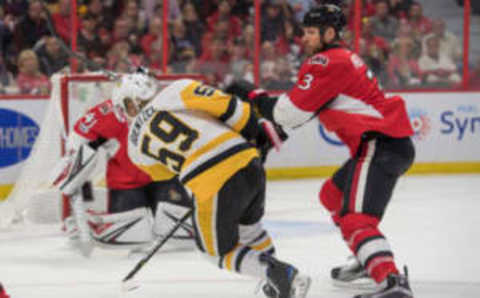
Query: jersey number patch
[[306, 82], [168, 129]]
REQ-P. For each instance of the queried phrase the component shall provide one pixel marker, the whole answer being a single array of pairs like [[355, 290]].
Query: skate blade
[[364, 283], [300, 286]]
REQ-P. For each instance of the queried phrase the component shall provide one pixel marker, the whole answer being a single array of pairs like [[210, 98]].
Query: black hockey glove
[[260, 99], [264, 142], [245, 90]]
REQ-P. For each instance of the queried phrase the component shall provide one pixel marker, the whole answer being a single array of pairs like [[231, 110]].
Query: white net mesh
[[32, 198]]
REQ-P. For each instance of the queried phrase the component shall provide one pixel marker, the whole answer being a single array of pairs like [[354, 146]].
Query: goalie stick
[[126, 285]]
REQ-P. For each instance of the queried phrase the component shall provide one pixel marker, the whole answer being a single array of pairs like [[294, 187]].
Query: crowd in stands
[[216, 38]]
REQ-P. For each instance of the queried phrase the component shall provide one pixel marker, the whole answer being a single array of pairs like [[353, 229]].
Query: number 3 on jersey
[[306, 82], [167, 129]]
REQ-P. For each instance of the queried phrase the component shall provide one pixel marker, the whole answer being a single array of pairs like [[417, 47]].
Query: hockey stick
[[85, 244], [160, 242]]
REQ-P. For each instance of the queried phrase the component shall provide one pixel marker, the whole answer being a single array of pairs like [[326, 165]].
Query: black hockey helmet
[[327, 15]]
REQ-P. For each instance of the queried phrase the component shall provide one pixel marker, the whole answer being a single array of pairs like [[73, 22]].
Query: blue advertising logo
[[17, 135], [330, 138], [421, 123], [463, 121]]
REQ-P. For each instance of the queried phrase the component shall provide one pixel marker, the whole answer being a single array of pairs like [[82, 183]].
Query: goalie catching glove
[[76, 167]]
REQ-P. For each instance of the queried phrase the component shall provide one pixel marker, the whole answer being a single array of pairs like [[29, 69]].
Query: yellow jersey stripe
[[246, 110], [205, 213], [157, 171], [209, 147], [208, 182], [215, 104]]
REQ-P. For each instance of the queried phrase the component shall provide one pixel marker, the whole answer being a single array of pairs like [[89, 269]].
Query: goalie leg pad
[[166, 217], [128, 229]]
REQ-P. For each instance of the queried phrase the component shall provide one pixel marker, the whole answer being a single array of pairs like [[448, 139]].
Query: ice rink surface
[[432, 224]]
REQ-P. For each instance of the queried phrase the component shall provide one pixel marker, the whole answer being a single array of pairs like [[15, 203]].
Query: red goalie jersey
[[101, 121], [337, 86]]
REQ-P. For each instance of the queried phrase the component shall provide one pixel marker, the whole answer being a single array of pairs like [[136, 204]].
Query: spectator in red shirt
[[419, 23], [224, 13], [154, 34], [403, 69], [30, 80], [371, 39]]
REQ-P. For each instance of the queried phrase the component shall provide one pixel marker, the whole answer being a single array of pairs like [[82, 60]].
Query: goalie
[[137, 210]]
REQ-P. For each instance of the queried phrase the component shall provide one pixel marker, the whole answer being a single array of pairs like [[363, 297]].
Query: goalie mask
[[132, 92]]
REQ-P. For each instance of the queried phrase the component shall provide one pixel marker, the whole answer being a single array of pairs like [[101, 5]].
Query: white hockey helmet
[[132, 92]]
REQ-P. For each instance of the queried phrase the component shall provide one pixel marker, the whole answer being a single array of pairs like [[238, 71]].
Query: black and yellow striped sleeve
[[237, 114]]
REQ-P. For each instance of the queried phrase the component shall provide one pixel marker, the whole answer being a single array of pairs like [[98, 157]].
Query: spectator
[[400, 8], [31, 27], [194, 26], [6, 35], [179, 39], [121, 29], [223, 13], [88, 37], [371, 39], [154, 34], [61, 20], [272, 21], [51, 57], [103, 17], [15, 8], [282, 76], [403, 69], [300, 7], [136, 17], [239, 60], [30, 80], [7, 83], [405, 31], [383, 24], [419, 23], [154, 8], [121, 51], [439, 69], [475, 75], [214, 61], [449, 43], [185, 60]]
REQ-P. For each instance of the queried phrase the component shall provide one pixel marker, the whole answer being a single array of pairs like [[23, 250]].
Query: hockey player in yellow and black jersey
[[205, 137]]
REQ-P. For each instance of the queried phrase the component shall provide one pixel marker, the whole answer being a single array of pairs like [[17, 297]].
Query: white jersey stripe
[[287, 114], [362, 180]]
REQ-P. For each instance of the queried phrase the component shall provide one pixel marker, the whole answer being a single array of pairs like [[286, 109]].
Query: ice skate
[[352, 275], [397, 286], [284, 280]]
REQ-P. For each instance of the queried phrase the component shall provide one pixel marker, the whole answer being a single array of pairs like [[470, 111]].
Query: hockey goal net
[[32, 199]]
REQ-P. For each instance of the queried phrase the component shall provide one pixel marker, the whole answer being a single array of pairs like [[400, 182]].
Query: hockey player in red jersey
[[132, 196], [335, 86]]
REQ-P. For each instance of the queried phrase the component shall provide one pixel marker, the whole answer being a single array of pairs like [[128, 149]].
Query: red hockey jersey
[[101, 122], [338, 88]]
